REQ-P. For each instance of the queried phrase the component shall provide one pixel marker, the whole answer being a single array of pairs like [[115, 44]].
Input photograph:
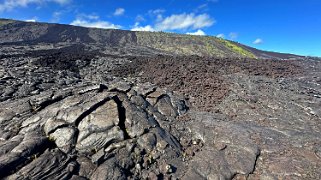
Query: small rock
[[86, 167], [196, 141], [139, 101], [190, 152], [166, 168], [138, 167], [161, 145], [120, 86], [144, 89], [147, 141], [220, 146], [165, 107], [136, 120], [97, 157], [153, 97], [64, 138], [152, 176], [155, 154]]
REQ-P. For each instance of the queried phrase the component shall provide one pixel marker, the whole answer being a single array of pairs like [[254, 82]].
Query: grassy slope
[[191, 45], [237, 49], [5, 22]]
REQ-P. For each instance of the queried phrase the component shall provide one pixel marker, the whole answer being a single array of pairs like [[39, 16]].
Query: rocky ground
[[84, 111]]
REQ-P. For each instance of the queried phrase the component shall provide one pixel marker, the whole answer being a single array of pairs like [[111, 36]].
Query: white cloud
[[201, 8], [258, 41], [197, 33], [62, 1], [91, 16], [220, 36], [92, 21], [8, 5], [119, 12], [156, 11], [181, 22], [95, 24], [139, 18], [233, 35], [185, 21], [31, 20], [142, 28]]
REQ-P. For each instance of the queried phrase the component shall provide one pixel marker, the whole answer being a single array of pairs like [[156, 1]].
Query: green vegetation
[[237, 49], [178, 43], [191, 45], [5, 22]]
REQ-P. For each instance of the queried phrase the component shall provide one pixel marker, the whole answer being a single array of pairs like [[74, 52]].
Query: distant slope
[[190, 45], [12, 31], [269, 54]]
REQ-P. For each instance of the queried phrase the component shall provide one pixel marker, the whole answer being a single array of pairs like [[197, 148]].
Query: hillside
[[165, 43], [80, 103]]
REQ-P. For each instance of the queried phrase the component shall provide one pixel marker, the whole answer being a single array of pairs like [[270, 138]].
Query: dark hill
[[167, 43]]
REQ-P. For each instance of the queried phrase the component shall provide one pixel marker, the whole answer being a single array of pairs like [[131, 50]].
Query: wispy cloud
[[61, 1], [201, 8], [220, 36], [181, 22], [258, 41], [185, 21], [56, 16], [197, 33], [8, 5], [93, 21], [90, 16], [137, 27], [139, 18], [156, 11], [233, 35], [119, 12]]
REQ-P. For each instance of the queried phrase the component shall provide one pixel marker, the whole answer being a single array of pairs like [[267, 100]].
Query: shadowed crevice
[[26, 157], [122, 116], [90, 110]]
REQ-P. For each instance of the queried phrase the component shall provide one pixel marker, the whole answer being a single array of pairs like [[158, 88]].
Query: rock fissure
[[58, 127], [23, 155], [122, 117], [255, 163], [90, 110]]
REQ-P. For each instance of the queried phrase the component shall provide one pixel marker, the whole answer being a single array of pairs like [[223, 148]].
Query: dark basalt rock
[[95, 124]]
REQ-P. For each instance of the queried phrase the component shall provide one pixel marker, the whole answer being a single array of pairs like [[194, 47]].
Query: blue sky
[[292, 26]]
